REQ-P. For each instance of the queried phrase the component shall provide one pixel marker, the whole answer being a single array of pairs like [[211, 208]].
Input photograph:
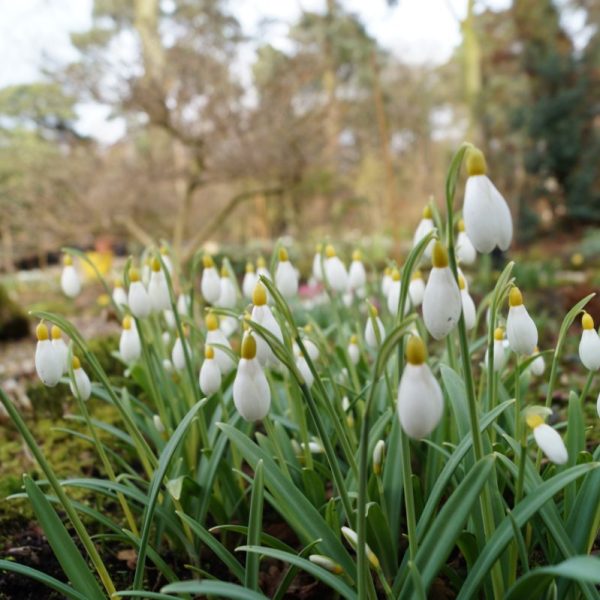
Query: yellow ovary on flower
[[416, 353], [499, 334], [41, 332], [155, 264], [329, 251], [461, 225], [134, 275], [356, 255], [283, 254], [209, 352], [75, 363], [475, 162], [207, 261], [427, 214], [248, 347], [259, 295], [212, 321], [56, 333], [587, 322], [534, 420], [67, 260], [515, 298], [439, 255], [395, 275], [249, 267]]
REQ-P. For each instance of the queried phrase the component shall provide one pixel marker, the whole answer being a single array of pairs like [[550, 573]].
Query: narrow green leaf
[[255, 526], [221, 589], [455, 389], [575, 442]]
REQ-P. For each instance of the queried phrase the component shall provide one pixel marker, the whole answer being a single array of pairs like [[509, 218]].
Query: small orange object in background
[[101, 257]]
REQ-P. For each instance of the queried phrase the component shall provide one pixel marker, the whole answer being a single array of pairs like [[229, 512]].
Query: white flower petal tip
[[521, 331], [70, 282], [416, 289], [305, 371], [210, 283], [374, 335], [130, 346], [286, 279], [335, 271], [49, 362], [158, 291], [551, 444], [465, 251], [261, 313], [589, 345], [425, 226], [80, 385], [210, 374], [138, 299], [214, 338], [468, 309], [178, 354], [353, 351], [227, 293], [357, 275]]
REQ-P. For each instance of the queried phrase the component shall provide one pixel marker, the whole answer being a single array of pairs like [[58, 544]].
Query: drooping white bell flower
[[352, 539], [548, 439], [354, 350], [286, 277], [348, 412], [335, 271], [158, 290], [261, 269], [311, 347], [48, 362], [468, 306], [378, 455], [80, 383], [210, 284], [228, 325], [261, 313], [538, 364], [487, 218], [249, 281], [214, 337], [210, 374], [499, 350], [393, 296], [442, 303], [146, 271], [317, 265], [184, 304], [423, 228], [60, 347], [166, 258], [326, 563], [228, 295], [178, 353], [305, 370], [465, 251], [420, 399], [416, 288], [589, 345], [158, 424], [386, 281], [520, 329], [372, 337], [119, 294], [130, 346], [138, 299], [168, 365], [357, 275], [69, 279], [251, 393]]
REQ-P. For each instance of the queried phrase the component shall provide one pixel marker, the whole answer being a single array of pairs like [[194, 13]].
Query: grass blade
[[255, 526]]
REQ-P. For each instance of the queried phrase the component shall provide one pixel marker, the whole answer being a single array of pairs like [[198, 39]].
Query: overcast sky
[[36, 32]]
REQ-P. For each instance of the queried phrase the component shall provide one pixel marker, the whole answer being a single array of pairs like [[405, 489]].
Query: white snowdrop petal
[[416, 291], [370, 336], [228, 325], [248, 284], [551, 444], [589, 349], [251, 393], [521, 331], [130, 347], [305, 371], [354, 353], [468, 308], [442, 303], [420, 401], [158, 291], [286, 279], [48, 363], [138, 300], [393, 297], [119, 296], [385, 285], [538, 366], [263, 316], [317, 267], [210, 377], [81, 387], [70, 282], [465, 251], [357, 276], [225, 362], [311, 348], [62, 352], [178, 354], [210, 285], [423, 228], [227, 294], [336, 273], [183, 304]]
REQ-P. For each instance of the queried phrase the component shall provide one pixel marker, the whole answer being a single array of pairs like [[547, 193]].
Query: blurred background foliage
[[333, 135]]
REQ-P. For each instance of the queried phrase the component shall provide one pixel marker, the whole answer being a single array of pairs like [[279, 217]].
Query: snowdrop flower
[[130, 346], [168, 366], [442, 303], [386, 282], [228, 294], [520, 329], [393, 296], [215, 336], [589, 346], [261, 313], [210, 284], [317, 266], [251, 393], [249, 281], [80, 383], [547, 438], [146, 271], [348, 411], [158, 290], [261, 268], [538, 364], [465, 251], [286, 277], [354, 350], [378, 453], [119, 295], [420, 400], [228, 325], [487, 218], [373, 338], [60, 347], [357, 276], [158, 424], [311, 347], [210, 374], [468, 306], [423, 228], [48, 362], [416, 288], [184, 304], [164, 254], [465, 278], [326, 563], [138, 299], [305, 371], [313, 447], [335, 271], [352, 539], [499, 350], [178, 353], [69, 279]]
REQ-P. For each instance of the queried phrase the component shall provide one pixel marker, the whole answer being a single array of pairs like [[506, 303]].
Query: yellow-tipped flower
[[210, 283], [286, 276], [69, 279], [374, 329], [138, 299], [357, 275], [60, 347], [249, 282], [425, 226], [465, 251], [546, 437], [130, 346], [589, 345], [80, 384], [215, 337], [210, 375], [520, 329], [262, 314], [335, 271], [49, 363], [158, 290]]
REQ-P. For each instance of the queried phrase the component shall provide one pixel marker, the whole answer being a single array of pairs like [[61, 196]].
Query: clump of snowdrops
[[387, 421]]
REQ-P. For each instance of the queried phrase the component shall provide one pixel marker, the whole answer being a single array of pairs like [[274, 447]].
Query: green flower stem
[[268, 424], [409, 498], [86, 540], [450, 349], [485, 500], [518, 400], [586, 388]]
